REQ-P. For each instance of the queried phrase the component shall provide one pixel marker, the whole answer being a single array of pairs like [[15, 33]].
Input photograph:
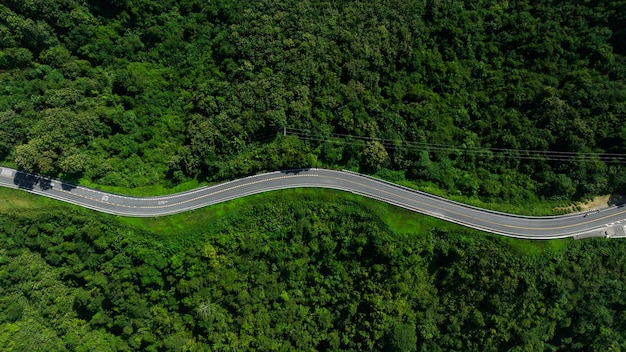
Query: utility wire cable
[[525, 154], [447, 146]]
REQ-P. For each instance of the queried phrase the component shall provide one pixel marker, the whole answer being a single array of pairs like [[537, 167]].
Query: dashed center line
[[359, 184], [164, 203]]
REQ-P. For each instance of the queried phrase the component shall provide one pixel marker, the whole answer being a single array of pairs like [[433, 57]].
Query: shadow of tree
[[27, 181], [45, 184], [294, 171], [617, 199], [67, 186]]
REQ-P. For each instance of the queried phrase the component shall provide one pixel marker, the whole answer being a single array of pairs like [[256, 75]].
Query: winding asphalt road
[[605, 222]]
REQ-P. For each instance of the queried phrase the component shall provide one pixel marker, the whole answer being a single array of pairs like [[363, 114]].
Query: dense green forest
[[466, 96], [132, 93], [299, 271]]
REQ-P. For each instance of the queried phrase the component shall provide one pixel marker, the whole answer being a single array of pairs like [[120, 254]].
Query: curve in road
[[607, 222]]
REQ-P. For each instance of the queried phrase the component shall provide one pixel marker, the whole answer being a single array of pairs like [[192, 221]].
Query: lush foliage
[[295, 271], [133, 93]]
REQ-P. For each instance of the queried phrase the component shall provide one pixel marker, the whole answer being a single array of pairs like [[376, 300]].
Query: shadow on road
[[45, 184], [67, 186], [28, 181], [617, 200], [294, 171], [25, 180]]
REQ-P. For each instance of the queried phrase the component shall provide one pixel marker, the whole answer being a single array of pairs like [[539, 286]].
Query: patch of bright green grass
[[530, 247], [196, 221], [534, 207], [401, 221], [190, 224], [405, 222], [9, 164], [17, 200], [146, 191]]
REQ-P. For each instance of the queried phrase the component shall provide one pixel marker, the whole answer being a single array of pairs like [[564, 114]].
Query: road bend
[[608, 222]]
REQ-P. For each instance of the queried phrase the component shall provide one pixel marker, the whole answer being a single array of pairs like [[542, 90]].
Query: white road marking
[[227, 191]]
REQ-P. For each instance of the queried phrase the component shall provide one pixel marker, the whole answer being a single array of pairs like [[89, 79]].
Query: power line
[[524, 154], [447, 146]]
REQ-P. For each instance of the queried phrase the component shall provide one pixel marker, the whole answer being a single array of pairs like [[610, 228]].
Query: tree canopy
[[135, 93], [501, 100], [300, 271]]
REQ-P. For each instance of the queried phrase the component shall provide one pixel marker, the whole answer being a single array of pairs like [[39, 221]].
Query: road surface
[[606, 222]]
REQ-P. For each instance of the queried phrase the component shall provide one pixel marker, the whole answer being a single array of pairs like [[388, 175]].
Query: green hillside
[[297, 270], [512, 103], [136, 93]]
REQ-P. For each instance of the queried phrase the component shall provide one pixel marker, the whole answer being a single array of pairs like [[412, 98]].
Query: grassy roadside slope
[[296, 270], [185, 225]]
